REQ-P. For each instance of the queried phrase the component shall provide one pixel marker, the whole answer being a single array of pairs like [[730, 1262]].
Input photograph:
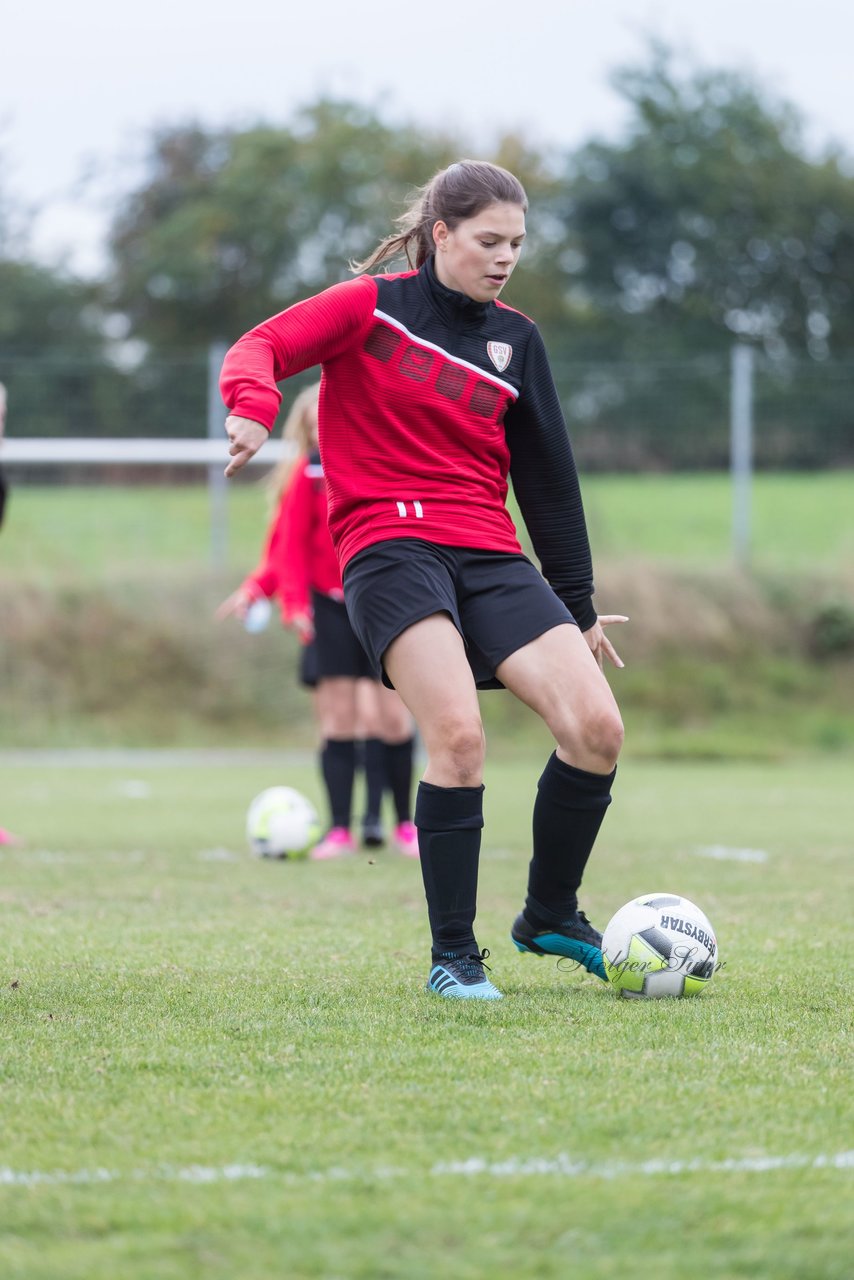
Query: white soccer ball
[[282, 823], [659, 945]]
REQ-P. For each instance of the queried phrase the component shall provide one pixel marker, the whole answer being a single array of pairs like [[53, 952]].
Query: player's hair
[[451, 196], [297, 430]]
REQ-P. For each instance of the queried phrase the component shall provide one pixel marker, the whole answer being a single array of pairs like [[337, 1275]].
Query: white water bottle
[[258, 616]]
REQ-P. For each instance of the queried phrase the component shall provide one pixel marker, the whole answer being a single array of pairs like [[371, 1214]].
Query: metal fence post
[[741, 447], [217, 483]]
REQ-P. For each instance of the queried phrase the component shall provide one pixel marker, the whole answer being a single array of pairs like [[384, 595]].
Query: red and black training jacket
[[429, 401]]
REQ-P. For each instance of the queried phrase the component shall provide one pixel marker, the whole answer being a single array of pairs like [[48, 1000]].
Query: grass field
[[799, 522], [218, 1067]]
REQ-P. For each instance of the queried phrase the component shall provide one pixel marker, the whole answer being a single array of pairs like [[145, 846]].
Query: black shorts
[[308, 665], [337, 651], [498, 601]]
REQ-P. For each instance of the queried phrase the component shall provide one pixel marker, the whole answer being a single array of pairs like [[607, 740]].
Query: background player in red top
[[357, 716], [434, 395]]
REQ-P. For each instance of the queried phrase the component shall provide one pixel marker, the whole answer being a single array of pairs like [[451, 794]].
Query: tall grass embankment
[[718, 664]]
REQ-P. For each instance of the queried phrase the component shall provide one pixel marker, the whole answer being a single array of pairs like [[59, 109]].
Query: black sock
[[375, 777], [568, 813], [449, 822], [338, 765], [398, 764]]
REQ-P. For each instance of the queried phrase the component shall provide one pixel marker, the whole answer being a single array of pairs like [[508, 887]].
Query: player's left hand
[[237, 603], [246, 439], [600, 645]]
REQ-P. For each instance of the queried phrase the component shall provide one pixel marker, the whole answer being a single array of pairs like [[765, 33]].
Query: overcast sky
[[82, 84]]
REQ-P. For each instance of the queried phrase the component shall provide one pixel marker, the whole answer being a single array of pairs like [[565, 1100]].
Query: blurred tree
[[40, 309], [708, 223], [11, 216], [231, 227], [52, 346], [52, 353]]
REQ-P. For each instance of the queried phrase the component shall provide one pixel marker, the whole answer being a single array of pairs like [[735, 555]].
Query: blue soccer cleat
[[462, 978], [574, 938]]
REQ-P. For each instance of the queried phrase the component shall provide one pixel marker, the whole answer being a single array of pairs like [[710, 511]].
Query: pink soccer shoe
[[406, 840], [337, 843], [7, 838]]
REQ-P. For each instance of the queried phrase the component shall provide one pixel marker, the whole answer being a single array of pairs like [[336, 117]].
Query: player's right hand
[[246, 439], [303, 625]]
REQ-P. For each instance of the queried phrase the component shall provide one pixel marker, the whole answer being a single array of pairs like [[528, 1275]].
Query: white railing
[[210, 452], [144, 452]]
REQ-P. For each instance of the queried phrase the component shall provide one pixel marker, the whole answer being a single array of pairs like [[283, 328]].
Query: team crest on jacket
[[500, 354]]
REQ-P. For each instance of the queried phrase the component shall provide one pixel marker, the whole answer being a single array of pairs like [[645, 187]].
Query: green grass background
[[798, 521], [168, 1002]]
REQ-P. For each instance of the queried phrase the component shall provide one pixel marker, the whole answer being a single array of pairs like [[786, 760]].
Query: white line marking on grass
[[144, 757], [229, 1173], [134, 789], [85, 1177], [50, 857], [563, 1166], [58, 857], [725, 854], [560, 1166]]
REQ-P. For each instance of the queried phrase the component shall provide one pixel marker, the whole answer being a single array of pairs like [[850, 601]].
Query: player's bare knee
[[462, 752], [594, 742], [604, 737], [340, 725], [369, 726]]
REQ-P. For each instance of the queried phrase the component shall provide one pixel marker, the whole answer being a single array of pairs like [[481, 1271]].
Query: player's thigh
[[428, 667], [558, 677]]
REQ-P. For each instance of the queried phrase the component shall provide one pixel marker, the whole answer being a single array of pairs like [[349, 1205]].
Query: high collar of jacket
[[450, 303]]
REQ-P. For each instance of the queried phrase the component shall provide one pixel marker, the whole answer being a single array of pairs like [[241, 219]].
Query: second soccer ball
[[282, 823]]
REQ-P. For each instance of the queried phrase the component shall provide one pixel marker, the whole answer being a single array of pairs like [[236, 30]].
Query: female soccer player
[[433, 391], [355, 714]]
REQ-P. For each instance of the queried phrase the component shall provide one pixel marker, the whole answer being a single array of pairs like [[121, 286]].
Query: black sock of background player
[[568, 813], [398, 763], [338, 765], [449, 822], [375, 777]]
